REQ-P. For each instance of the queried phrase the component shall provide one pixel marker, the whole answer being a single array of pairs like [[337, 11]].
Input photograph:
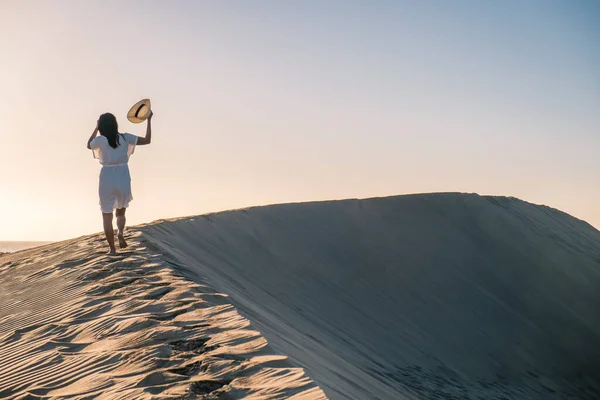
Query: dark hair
[[108, 127]]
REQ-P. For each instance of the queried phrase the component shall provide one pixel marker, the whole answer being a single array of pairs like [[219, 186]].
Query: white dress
[[115, 182]]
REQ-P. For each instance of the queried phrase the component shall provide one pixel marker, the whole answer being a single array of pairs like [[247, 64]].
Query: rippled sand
[[78, 324]]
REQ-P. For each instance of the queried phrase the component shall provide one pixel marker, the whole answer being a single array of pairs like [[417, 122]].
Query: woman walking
[[113, 150]]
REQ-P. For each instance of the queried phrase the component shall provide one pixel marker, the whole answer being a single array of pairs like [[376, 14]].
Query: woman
[[113, 149]]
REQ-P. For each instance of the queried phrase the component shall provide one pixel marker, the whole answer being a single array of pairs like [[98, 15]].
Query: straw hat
[[140, 111]]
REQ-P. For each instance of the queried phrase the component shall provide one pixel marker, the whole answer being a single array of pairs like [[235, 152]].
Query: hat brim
[[140, 111]]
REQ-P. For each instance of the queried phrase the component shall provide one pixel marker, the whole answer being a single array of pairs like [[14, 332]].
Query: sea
[[10, 247]]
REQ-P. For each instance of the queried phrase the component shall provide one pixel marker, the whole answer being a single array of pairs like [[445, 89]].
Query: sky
[[261, 102]]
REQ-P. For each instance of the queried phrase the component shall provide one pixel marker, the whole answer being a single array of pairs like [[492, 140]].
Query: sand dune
[[77, 324], [442, 296], [430, 296]]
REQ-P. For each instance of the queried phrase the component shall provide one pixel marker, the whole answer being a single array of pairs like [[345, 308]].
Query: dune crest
[[437, 296], [76, 323], [429, 296]]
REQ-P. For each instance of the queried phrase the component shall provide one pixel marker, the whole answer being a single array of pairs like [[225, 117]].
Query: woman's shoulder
[[99, 139], [124, 136], [129, 138]]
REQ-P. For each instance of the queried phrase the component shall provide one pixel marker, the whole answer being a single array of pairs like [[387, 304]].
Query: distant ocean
[[9, 247]]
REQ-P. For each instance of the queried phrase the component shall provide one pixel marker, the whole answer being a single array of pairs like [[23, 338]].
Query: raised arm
[[92, 137], [148, 138]]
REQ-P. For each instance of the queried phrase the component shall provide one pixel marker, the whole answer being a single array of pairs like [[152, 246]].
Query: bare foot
[[112, 252], [122, 242]]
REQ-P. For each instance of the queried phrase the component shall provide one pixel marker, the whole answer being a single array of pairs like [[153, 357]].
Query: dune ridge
[[78, 324], [433, 296]]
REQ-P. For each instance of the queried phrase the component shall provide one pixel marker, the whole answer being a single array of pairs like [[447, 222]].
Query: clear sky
[[260, 102]]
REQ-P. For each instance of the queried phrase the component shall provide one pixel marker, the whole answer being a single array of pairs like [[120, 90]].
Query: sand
[[440, 296], [435, 296], [78, 324]]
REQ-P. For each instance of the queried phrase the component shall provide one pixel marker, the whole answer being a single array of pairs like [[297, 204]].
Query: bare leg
[[120, 213], [121, 225], [109, 231]]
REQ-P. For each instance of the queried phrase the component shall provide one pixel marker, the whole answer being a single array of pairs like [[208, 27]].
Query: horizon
[[174, 218], [272, 103]]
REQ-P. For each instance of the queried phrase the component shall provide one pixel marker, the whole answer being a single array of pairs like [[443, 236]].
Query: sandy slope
[[430, 296], [77, 324]]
